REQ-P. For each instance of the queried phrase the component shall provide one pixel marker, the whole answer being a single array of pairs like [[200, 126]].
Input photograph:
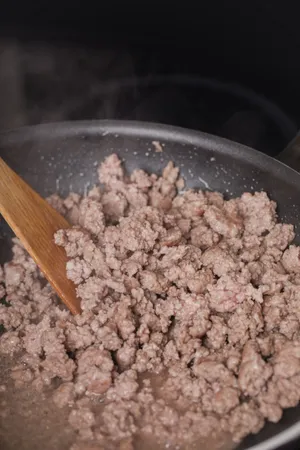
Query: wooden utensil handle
[[35, 222]]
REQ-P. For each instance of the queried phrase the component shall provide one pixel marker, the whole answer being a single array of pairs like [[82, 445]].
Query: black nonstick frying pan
[[63, 157]]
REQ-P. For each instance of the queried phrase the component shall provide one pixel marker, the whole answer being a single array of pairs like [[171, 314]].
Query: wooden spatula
[[34, 222]]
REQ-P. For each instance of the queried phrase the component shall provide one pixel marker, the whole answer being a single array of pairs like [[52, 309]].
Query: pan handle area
[[291, 154]]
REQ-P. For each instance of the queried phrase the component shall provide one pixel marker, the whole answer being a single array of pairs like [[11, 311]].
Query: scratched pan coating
[[63, 157]]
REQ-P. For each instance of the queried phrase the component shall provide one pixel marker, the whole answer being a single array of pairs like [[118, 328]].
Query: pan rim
[[152, 131], [155, 131]]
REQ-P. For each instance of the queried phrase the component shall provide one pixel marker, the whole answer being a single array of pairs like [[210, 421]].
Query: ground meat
[[280, 236], [190, 205], [21, 376], [225, 400], [246, 322], [82, 419], [229, 292], [2, 292], [110, 171], [142, 179], [91, 216], [94, 371], [216, 336], [114, 204], [254, 371], [203, 237], [251, 207], [64, 395], [10, 343], [125, 386], [244, 419], [201, 280], [57, 203], [191, 317], [220, 261], [221, 222], [72, 203], [291, 259]]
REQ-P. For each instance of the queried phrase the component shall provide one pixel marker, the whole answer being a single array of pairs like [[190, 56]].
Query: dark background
[[227, 67], [58, 60], [256, 43]]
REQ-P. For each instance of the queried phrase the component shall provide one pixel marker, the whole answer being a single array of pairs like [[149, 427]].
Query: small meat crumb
[[157, 146]]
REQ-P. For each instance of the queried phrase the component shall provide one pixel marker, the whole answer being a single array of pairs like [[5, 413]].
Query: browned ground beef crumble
[[191, 314]]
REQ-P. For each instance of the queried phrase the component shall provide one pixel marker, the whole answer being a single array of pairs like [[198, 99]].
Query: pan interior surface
[[64, 157]]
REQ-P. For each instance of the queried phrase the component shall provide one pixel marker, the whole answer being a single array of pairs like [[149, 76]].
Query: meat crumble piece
[[91, 216], [291, 259], [190, 322], [221, 222], [10, 343], [111, 170], [254, 371], [64, 395], [243, 420], [114, 205], [203, 237], [251, 207], [94, 373], [229, 292]]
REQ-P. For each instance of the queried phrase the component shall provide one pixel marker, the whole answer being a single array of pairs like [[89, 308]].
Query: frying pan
[[63, 157]]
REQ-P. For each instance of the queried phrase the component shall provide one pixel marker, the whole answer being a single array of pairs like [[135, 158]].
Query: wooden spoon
[[34, 222]]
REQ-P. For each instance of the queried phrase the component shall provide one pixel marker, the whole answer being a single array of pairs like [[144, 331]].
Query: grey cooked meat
[[191, 317]]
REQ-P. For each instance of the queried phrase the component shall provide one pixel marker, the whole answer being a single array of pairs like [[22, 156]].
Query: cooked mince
[[190, 330]]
